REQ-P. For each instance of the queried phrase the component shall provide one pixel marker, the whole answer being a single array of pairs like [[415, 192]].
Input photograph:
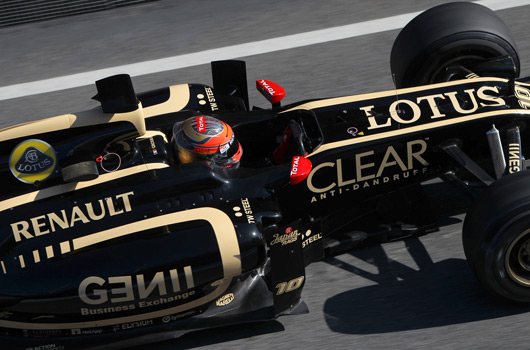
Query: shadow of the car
[[447, 199], [438, 294], [213, 336]]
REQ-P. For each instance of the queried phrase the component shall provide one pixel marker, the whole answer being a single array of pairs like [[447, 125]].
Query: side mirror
[[300, 169], [272, 91]]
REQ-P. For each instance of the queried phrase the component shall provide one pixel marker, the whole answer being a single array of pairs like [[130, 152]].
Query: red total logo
[[201, 125], [300, 169]]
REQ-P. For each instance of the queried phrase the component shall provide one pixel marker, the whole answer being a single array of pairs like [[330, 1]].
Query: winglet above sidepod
[[300, 169]]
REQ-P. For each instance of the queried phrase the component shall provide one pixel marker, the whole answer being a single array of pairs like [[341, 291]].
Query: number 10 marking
[[286, 287]]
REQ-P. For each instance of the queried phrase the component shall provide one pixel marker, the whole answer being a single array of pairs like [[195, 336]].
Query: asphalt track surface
[[413, 294]]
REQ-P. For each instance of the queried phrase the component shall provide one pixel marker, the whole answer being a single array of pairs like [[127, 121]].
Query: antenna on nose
[[399, 111], [395, 85]]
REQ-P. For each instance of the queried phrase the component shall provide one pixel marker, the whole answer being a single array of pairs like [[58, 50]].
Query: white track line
[[228, 52]]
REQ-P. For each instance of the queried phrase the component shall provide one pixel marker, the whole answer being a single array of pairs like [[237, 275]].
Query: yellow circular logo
[[32, 160]]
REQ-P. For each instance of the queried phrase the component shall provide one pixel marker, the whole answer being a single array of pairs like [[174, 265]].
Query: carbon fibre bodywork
[[107, 241]]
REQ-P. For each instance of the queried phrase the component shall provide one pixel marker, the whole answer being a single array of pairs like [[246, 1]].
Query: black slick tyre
[[462, 34], [496, 237]]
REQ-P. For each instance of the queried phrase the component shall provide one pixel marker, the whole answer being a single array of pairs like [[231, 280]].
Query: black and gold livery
[[107, 239]]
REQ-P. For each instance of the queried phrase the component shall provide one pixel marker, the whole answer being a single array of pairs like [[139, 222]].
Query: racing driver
[[206, 138]]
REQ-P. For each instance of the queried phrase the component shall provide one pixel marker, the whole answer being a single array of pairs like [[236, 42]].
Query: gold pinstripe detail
[[189, 277], [521, 83], [220, 222], [67, 121], [153, 133], [228, 246], [373, 95], [178, 99], [22, 262], [36, 256], [65, 247], [179, 96], [109, 322], [408, 130], [57, 190], [49, 252]]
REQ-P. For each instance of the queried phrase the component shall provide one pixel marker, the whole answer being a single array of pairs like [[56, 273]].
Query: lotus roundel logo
[[32, 160]]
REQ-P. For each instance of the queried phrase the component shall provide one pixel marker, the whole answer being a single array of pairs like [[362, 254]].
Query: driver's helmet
[[206, 138]]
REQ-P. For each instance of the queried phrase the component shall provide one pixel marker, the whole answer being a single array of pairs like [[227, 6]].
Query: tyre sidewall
[[430, 63], [493, 222], [432, 30], [493, 253]]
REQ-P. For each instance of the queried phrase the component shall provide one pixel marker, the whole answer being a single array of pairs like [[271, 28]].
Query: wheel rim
[[461, 49], [463, 61], [517, 260], [453, 54]]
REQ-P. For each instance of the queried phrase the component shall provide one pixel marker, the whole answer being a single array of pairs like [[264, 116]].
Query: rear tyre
[[460, 34], [496, 237]]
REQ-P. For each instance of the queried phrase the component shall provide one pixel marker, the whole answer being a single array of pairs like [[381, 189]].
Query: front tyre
[[496, 237], [449, 41]]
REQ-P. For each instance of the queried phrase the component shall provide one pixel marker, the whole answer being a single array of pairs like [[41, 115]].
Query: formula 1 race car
[[108, 240]]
